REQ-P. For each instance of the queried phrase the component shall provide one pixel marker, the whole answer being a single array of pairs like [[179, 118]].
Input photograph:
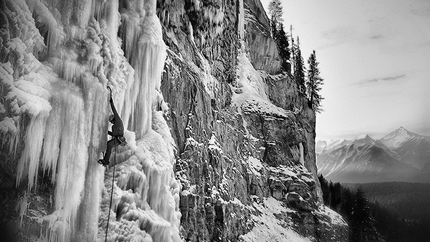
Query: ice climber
[[117, 133]]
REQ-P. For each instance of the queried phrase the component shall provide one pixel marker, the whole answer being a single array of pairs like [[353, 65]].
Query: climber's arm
[[112, 106], [115, 113]]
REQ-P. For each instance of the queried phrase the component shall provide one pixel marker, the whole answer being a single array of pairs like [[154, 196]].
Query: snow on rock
[[334, 218], [249, 81], [214, 145], [398, 137], [255, 165], [268, 219], [250, 90]]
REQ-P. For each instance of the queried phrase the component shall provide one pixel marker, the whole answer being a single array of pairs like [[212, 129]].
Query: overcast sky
[[375, 60]]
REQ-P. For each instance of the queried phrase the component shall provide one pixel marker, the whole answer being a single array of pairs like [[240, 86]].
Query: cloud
[[379, 36], [338, 35], [424, 44], [384, 79], [421, 11]]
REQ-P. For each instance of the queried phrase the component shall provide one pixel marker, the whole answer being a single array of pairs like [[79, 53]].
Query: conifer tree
[[281, 39], [279, 34], [314, 83], [275, 11], [299, 73], [362, 223], [292, 61], [274, 28]]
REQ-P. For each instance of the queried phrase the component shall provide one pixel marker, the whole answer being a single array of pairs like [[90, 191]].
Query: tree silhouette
[[370, 221], [299, 73], [314, 83], [281, 39], [362, 222], [275, 11]]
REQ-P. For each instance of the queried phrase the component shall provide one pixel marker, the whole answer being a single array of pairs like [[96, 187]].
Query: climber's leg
[[110, 145]]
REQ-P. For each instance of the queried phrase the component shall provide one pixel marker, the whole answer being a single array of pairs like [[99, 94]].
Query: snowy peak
[[398, 137], [400, 155], [336, 144], [358, 141], [320, 146], [362, 139], [403, 132]]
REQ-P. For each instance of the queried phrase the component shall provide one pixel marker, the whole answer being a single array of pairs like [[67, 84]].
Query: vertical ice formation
[[146, 52], [241, 21], [56, 59], [249, 79], [302, 157], [146, 194]]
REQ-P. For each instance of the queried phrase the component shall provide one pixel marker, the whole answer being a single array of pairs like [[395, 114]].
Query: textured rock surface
[[245, 160], [231, 158], [263, 52]]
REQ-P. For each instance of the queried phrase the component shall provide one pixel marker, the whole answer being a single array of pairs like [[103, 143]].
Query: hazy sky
[[375, 60]]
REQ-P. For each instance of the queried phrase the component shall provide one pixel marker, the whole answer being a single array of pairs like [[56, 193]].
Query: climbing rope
[[111, 193]]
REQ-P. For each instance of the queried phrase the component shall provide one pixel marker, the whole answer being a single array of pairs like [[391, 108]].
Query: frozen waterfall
[[57, 57], [241, 21]]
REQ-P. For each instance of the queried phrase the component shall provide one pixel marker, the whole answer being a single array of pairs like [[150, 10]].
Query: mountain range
[[399, 156]]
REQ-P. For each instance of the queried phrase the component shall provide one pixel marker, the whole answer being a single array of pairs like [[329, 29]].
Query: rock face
[[263, 52], [239, 146], [237, 165]]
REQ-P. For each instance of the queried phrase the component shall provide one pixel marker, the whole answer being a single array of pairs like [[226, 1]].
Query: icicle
[[71, 164], [70, 70], [51, 146], [38, 109], [96, 124], [241, 20], [130, 32], [112, 22], [148, 64], [23, 206], [82, 11], [302, 159], [8, 126], [29, 162], [47, 24], [22, 25], [147, 191], [65, 101]]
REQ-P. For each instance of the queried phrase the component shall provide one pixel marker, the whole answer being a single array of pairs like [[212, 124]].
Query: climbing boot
[[103, 162]]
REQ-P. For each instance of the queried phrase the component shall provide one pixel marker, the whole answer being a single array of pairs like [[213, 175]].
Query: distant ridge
[[399, 136], [399, 156]]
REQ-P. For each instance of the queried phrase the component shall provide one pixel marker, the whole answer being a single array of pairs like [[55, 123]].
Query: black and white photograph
[[214, 120]]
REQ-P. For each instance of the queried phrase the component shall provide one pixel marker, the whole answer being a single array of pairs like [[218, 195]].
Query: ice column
[[62, 106], [87, 217], [146, 194], [59, 94], [241, 20], [147, 59], [302, 158]]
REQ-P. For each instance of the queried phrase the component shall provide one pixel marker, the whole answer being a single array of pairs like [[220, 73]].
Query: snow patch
[[255, 165], [269, 227], [249, 93], [335, 218]]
